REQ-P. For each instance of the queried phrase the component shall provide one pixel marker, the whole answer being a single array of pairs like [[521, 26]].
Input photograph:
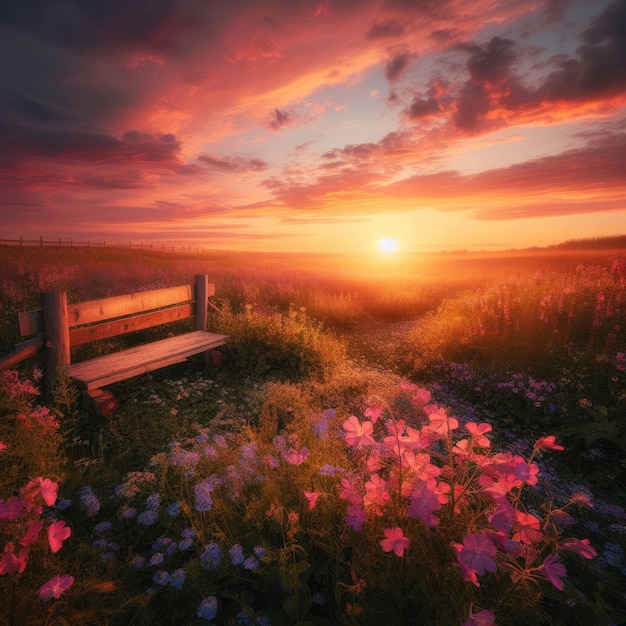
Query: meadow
[[430, 439]]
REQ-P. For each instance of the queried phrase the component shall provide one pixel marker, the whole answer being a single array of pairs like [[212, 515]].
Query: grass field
[[374, 418]]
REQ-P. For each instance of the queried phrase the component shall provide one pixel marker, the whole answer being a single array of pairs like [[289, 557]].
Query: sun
[[388, 245]]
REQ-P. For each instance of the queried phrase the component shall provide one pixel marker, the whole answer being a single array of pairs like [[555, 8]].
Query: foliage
[[271, 343]]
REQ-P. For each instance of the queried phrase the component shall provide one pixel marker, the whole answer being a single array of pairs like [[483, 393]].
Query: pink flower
[[32, 534], [528, 528], [478, 433], [547, 443], [296, 457], [477, 553], [350, 493], [580, 546], [554, 571], [357, 434], [374, 412], [376, 493], [48, 490], [422, 504], [395, 541], [467, 573], [355, 517], [58, 532], [11, 563], [481, 618], [55, 587], [3, 446], [312, 497], [12, 509]]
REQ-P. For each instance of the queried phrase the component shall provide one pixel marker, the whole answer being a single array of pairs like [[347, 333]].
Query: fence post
[[59, 242], [57, 335], [202, 301], [20, 241], [41, 241]]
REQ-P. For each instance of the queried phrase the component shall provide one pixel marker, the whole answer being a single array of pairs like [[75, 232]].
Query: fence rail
[[71, 243]]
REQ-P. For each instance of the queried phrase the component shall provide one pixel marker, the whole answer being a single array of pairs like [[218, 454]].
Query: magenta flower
[[480, 618], [11, 563], [3, 446], [548, 443], [478, 553], [395, 541], [12, 508], [49, 490], [580, 546], [422, 504], [478, 433], [312, 497], [528, 528], [357, 434], [32, 534], [58, 532], [355, 517], [554, 571], [55, 587], [376, 493]]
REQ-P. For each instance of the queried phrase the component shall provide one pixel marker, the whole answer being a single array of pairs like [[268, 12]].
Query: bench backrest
[[110, 317]]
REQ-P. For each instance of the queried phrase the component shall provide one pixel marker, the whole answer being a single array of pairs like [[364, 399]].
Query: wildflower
[[161, 577], [156, 559], [312, 497], [188, 533], [477, 553], [579, 498], [138, 562], [88, 500], [58, 532], [48, 490], [478, 433], [11, 563], [251, 563], [32, 534], [174, 509], [212, 556], [376, 493], [580, 546], [152, 501], [395, 541], [357, 434], [259, 552], [208, 608], [422, 504], [296, 457], [236, 554], [3, 446], [327, 470], [127, 512], [102, 528], [355, 517], [177, 578], [481, 618], [528, 528], [547, 443], [12, 509], [204, 501], [55, 587], [554, 571], [147, 518]]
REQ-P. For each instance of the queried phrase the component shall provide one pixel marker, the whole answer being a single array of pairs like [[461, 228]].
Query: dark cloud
[[471, 106], [599, 69], [491, 64], [421, 107], [396, 67], [38, 109], [233, 165], [279, 119], [385, 30]]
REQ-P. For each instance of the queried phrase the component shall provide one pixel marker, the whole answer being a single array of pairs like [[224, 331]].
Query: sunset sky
[[296, 125]]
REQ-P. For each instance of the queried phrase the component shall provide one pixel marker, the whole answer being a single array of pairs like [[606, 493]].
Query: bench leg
[[99, 401]]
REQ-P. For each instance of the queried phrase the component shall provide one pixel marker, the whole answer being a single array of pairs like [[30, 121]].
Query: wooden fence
[[71, 243]]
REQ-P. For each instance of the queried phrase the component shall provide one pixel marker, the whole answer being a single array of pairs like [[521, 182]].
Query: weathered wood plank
[[86, 334], [30, 322], [57, 340], [202, 300], [118, 366], [24, 350], [119, 306]]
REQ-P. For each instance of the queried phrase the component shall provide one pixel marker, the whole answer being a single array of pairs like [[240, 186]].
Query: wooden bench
[[60, 327]]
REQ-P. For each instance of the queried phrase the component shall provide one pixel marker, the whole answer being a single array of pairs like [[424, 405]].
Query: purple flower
[[173, 510], [236, 554], [138, 562], [152, 501], [161, 577], [156, 559], [251, 563], [177, 578], [147, 518], [208, 608], [102, 528], [127, 512], [212, 556], [203, 491], [259, 552], [88, 500]]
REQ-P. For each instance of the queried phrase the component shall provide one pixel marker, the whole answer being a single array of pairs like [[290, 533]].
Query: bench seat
[[111, 368]]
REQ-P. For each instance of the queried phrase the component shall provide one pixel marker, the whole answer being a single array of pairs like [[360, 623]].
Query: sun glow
[[388, 245]]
